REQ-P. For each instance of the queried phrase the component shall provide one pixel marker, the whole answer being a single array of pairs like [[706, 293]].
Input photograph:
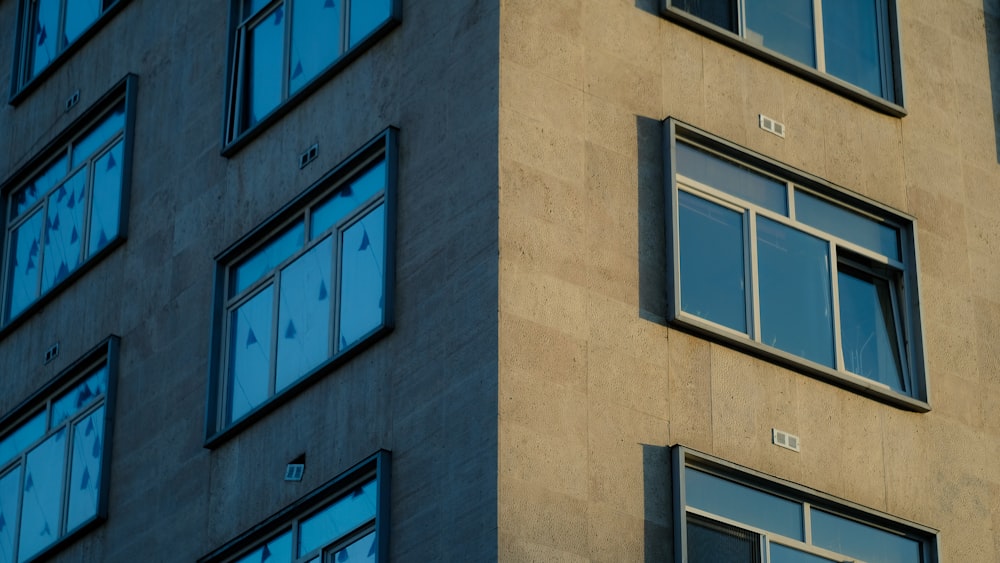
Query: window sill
[[845, 380], [791, 66]]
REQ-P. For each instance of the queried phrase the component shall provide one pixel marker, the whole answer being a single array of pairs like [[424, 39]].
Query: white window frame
[[903, 287]]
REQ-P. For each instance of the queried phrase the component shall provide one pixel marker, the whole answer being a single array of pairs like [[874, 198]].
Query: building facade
[[574, 280]]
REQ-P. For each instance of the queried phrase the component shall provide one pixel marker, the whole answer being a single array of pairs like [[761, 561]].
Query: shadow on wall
[[656, 486], [991, 13], [652, 221]]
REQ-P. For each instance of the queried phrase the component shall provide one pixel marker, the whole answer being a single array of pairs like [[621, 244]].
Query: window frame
[[20, 85], [122, 93], [377, 466], [893, 106], [683, 458], [909, 330], [383, 147], [233, 137], [104, 354]]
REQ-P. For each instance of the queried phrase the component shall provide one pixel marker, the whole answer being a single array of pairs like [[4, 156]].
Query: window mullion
[[807, 522], [16, 541], [67, 477], [272, 369], [60, 44], [335, 291], [42, 239], [819, 39], [901, 343], [754, 276], [345, 26], [741, 17], [835, 290], [286, 60]]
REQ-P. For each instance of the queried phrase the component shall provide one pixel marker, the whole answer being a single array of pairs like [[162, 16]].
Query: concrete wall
[[426, 392], [593, 384]]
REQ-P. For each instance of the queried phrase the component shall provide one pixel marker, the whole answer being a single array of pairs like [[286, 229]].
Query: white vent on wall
[[294, 471], [784, 439], [772, 126]]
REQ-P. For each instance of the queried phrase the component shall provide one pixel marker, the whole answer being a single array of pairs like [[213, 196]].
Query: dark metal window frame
[[20, 87], [913, 347], [233, 139], [894, 106], [384, 145], [377, 466], [683, 457], [105, 353], [125, 91]]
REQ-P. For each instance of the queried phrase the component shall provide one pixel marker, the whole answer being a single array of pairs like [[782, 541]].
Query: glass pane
[[712, 262], [731, 178], [785, 26], [85, 476], [87, 145], [348, 198], [795, 295], [64, 230], [24, 267], [278, 550], [79, 397], [862, 541], [851, 34], [846, 224], [266, 48], [10, 487], [79, 15], [720, 12], [743, 504], [45, 45], [43, 491], [251, 7], [316, 40], [715, 542], [366, 15], [22, 437], [784, 554], [868, 329], [362, 277], [250, 354], [304, 313], [40, 186], [341, 517], [105, 213], [266, 259], [361, 551]]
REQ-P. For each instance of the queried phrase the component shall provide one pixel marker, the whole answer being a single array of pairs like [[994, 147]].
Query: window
[[849, 45], [730, 513], [54, 459], [785, 264], [344, 521], [67, 206], [280, 48], [48, 28], [307, 288]]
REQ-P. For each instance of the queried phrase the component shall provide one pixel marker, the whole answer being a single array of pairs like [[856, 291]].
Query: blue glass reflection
[[266, 46], [851, 33], [39, 187], [366, 15], [278, 550], [862, 541], [868, 329], [361, 551], [340, 518], [266, 259], [250, 354], [846, 224], [784, 554], [348, 198], [785, 26], [80, 397], [743, 504], [731, 178], [64, 230], [10, 491], [85, 470], [712, 250], [722, 14], [87, 145], [304, 313], [80, 14], [24, 267], [45, 45], [362, 277], [22, 437], [795, 292], [105, 213], [315, 39], [43, 492]]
